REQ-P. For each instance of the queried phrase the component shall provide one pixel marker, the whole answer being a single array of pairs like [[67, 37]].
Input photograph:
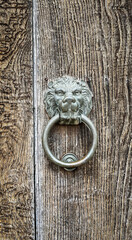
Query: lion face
[[70, 98]]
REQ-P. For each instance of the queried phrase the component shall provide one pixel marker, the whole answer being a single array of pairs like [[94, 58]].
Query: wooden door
[[39, 41], [16, 121]]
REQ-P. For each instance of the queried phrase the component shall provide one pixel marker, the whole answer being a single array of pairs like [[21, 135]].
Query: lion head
[[69, 97]]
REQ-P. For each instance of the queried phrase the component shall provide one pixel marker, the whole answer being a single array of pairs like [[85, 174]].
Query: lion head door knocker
[[68, 101]]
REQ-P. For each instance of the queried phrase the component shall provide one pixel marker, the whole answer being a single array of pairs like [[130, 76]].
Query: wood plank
[[92, 40], [16, 121]]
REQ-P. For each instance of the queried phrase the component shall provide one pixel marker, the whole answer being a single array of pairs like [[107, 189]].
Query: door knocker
[[68, 101]]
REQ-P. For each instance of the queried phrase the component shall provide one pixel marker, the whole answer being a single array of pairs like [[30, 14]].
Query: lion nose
[[69, 99]]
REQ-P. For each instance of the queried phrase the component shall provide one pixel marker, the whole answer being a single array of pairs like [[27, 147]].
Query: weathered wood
[[16, 121], [88, 39]]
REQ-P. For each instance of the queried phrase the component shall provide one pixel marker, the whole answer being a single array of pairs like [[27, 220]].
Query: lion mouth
[[70, 113], [66, 107]]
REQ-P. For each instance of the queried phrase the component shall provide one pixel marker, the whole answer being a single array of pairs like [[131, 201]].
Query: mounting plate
[[68, 158]]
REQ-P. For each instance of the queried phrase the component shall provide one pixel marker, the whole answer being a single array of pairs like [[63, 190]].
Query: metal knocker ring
[[68, 101]]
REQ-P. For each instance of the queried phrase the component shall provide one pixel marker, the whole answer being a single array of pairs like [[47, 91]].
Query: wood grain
[[16, 121], [91, 40]]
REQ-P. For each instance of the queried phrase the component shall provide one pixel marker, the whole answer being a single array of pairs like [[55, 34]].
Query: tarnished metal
[[69, 157], [68, 101], [70, 98], [50, 124]]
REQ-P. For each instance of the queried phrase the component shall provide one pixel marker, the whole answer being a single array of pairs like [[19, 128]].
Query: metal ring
[[50, 124]]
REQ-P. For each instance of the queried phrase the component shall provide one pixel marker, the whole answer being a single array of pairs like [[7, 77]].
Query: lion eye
[[76, 92], [60, 92]]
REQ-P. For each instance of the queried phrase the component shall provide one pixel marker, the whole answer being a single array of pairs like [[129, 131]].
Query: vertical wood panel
[[92, 40], [16, 121]]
